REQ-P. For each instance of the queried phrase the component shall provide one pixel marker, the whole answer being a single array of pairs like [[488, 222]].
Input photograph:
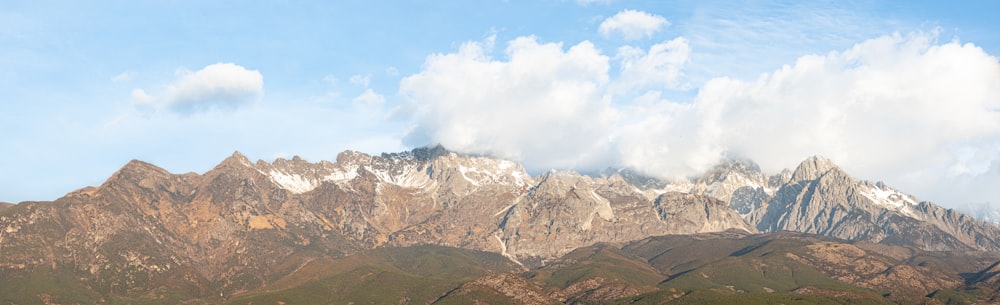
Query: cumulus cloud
[[224, 86], [907, 109], [540, 104], [632, 25], [661, 66]]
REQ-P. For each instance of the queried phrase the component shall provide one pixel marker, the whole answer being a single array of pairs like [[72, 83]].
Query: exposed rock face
[[231, 227], [692, 214], [740, 183], [242, 224], [511, 287], [4, 205], [565, 211], [854, 265], [822, 199]]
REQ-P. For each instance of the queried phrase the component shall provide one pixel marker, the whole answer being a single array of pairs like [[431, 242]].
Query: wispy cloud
[[742, 40], [122, 77]]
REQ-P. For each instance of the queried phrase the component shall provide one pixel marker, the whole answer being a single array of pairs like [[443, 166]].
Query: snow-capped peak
[[889, 198]]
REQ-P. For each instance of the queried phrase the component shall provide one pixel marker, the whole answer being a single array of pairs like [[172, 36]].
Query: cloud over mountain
[[542, 104], [904, 108]]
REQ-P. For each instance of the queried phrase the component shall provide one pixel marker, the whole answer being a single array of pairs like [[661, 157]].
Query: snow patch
[[486, 171], [504, 165], [603, 208], [465, 171], [677, 187], [891, 199], [294, 183], [409, 177], [339, 175]]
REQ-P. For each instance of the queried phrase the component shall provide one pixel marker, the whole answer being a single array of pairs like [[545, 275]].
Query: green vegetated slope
[[722, 268], [783, 268], [415, 275]]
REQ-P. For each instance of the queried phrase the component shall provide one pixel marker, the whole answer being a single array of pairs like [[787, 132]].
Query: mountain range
[[435, 226]]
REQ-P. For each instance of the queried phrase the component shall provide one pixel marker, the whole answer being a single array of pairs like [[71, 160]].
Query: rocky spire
[[236, 159], [812, 168]]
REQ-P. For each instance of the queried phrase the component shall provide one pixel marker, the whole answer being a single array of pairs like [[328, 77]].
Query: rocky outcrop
[[510, 287], [820, 198], [565, 211], [740, 183], [245, 224], [691, 214]]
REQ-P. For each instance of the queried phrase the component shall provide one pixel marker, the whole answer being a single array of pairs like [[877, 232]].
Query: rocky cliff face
[[820, 198], [740, 183], [245, 224]]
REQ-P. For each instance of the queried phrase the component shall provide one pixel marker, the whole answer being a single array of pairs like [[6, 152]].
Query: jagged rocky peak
[[635, 178], [136, 171], [732, 180], [478, 171], [236, 159], [729, 167], [136, 166], [782, 177], [350, 156], [424, 154], [556, 182], [812, 168]]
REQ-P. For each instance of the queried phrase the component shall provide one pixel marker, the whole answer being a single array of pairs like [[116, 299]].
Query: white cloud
[[661, 66], [361, 80], [919, 114], [141, 99], [632, 25], [902, 109], [221, 85], [541, 104], [369, 98]]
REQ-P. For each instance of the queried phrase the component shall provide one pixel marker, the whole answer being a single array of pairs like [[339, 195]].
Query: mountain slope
[[821, 198], [243, 225], [146, 234]]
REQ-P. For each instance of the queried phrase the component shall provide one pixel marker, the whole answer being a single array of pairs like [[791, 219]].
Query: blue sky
[[668, 87]]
